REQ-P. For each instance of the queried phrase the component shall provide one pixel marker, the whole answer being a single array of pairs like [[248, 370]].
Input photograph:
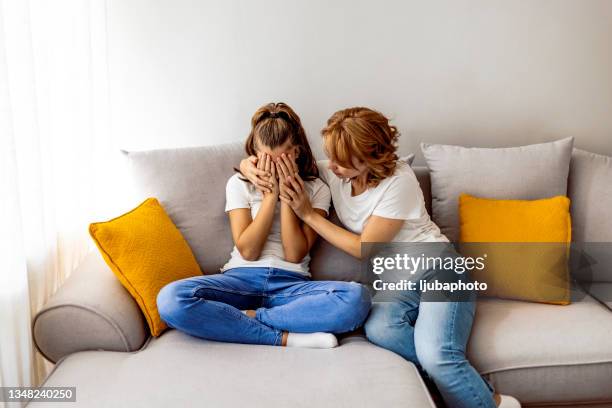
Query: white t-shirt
[[397, 197], [242, 194]]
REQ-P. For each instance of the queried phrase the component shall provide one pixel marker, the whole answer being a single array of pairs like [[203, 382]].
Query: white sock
[[312, 340]]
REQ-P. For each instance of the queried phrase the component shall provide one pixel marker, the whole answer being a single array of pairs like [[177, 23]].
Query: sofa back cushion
[[590, 192], [190, 184], [525, 172]]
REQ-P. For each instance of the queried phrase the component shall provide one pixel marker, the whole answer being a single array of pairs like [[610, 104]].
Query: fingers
[[290, 166], [252, 159], [263, 183], [299, 180], [267, 162], [295, 185], [294, 165], [283, 168], [273, 171], [279, 172], [287, 201], [291, 193]]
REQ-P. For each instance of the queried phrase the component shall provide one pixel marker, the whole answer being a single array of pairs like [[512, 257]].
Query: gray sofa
[[544, 355]]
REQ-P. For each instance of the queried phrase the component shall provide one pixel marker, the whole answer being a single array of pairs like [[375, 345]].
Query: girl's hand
[[250, 168], [285, 167], [294, 194], [266, 164]]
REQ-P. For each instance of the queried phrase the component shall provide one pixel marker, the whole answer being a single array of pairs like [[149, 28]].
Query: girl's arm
[[297, 238], [250, 235], [378, 229]]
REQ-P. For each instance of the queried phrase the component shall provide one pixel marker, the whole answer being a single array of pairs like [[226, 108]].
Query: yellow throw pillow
[[526, 245], [146, 251]]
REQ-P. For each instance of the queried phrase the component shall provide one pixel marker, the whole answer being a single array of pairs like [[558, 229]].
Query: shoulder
[[316, 186], [402, 178], [235, 184]]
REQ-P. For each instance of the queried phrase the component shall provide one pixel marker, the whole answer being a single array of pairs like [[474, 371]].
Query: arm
[[250, 235], [297, 238], [378, 229]]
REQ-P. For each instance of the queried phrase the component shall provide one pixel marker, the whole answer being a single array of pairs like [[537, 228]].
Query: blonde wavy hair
[[365, 134]]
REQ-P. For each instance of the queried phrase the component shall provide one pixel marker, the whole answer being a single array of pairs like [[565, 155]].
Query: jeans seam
[[454, 358], [307, 293], [234, 292]]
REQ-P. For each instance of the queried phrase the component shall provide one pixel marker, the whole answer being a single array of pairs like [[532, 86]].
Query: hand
[[250, 169], [265, 163], [294, 194], [285, 167]]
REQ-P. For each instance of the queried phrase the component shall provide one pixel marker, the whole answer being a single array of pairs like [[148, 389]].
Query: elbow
[[293, 258], [249, 254]]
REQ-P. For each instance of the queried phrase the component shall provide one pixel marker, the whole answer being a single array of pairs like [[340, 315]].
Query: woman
[[378, 199], [264, 294]]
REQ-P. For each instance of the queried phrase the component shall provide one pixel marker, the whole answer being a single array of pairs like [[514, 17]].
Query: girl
[[264, 294], [379, 199]]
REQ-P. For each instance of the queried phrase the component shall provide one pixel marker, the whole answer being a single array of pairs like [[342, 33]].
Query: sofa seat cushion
[[176, 369], [545, 353]]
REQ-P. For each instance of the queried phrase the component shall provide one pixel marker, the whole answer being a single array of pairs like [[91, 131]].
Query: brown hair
[[365, 134], [273, 125]]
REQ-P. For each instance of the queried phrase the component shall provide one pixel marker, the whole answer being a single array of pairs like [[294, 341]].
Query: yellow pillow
[[146, 251], [526, 245]]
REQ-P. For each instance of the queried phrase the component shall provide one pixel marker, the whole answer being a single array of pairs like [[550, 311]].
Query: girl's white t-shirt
[[243, 194], [397, 197]]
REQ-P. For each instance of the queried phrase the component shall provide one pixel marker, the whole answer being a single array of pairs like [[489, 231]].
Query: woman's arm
[[250, 235], [378, 229]]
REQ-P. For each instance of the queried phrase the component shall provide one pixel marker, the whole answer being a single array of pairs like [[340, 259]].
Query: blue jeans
[[434, 336], [209, 306]]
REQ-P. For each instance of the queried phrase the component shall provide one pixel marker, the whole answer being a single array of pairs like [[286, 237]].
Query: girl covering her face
[[264, 294]]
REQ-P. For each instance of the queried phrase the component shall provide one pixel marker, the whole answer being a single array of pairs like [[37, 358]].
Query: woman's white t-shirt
[[397, 197], [243, 194]]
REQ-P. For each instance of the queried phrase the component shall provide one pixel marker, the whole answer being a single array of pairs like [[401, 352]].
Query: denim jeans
[[210, 306], [433, 335]]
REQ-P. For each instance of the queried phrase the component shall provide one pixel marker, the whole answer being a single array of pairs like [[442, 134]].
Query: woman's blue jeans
[[433, 335], [210, 306]]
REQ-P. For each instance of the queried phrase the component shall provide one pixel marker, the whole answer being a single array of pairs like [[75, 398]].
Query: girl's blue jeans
[[210, 306]]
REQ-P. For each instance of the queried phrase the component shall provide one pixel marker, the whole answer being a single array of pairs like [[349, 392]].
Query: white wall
[[470, 72]]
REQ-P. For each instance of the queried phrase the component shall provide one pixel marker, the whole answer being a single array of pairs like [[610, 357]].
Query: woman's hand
[[265, 164], [294, 194], [250, 168]]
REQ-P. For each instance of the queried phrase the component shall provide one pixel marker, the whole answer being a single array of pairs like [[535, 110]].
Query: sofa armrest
[[90, 311]]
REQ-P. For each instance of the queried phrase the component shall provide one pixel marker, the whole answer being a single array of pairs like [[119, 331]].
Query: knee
[[169, 301], [359, 301], [377, 327]]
